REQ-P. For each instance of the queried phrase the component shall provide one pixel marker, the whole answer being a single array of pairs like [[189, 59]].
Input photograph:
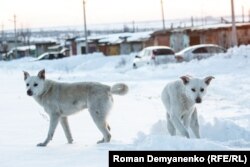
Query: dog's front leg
[[54, 119], [194, 124], [65, 125], [170, 126], [178, 125]]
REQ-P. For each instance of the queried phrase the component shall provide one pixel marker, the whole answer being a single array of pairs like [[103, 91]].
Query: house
[[161, 37], [113, 49], [103, 48], [138, 41], [24, 51], [72, 45], [42, 47], [179, 39], [21, 51], [81, 45], [220, 34], [110, 45], [3, 47], [243, 34], [42, 44], [125, 47], [59, 49], [8, 44], [124, 43]]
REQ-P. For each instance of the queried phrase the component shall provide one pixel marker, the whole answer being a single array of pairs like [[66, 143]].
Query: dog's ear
[[41, 74], [208, 79], [185, 79], [26, 75]]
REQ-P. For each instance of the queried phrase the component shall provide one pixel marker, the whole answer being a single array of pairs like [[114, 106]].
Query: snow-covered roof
[[118, 38], [217, 26], [43, 40], [55, 47], [115, 38], [90, 38], [140, 36], [24, 48]]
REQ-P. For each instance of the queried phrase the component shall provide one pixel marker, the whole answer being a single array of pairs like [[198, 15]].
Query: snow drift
[[137, 119]]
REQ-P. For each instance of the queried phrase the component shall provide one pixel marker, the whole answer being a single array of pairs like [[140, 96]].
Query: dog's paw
[[187, 135], [104, 141], [100, 141], [70, 142], [41, 145]]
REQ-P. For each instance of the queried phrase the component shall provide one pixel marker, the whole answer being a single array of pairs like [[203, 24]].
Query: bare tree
[[25, 36]]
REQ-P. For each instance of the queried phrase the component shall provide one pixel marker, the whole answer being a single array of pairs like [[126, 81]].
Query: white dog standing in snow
[[60, 100], [179, 98]]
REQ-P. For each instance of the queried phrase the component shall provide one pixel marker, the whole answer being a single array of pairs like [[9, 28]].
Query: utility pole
[[133, 23], [234, 33], [243, 16], [15, 37], [162, 13], [192, 21], [2, 33], [249, 15], [85, 29]]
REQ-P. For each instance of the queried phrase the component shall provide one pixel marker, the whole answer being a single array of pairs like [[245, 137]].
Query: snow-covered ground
[[137, 119]]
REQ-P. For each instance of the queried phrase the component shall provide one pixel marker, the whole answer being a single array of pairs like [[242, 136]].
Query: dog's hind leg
[[170, 126], [66, 129], [99, 115], [54, 119], [102, 126], [194, 124]]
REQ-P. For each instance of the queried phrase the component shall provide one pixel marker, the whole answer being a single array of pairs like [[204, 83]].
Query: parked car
[[198, 52], [50, 56], [154, 55]]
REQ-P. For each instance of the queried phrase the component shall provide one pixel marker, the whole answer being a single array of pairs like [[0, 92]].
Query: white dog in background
[[60, 100], [179, 98]]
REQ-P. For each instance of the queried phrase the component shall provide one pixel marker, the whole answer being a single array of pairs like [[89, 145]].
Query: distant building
[[219, 34], [81, 45], [72, 46], [21, 51], [43, 46]]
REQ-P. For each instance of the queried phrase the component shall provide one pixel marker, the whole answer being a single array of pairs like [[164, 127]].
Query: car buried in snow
[[50, 56], [154, 55], [198, 52]]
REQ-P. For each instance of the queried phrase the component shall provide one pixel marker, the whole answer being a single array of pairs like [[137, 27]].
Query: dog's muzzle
[[29, 92], [198, 100]]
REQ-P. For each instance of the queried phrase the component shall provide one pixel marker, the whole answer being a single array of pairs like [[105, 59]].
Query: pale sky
[[51, 13]]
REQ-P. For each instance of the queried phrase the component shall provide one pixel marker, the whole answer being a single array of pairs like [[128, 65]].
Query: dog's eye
[[193, 89], [202, 89], [35, 84], [27, 85]]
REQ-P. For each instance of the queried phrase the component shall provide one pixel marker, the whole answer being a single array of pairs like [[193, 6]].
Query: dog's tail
[[119, 89]]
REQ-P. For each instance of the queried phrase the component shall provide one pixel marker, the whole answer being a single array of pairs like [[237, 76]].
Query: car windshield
[[161, 52]]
